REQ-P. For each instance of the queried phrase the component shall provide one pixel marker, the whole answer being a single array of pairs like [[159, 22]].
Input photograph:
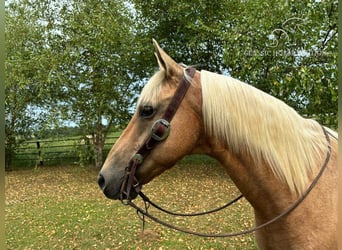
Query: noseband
[[159, 132]]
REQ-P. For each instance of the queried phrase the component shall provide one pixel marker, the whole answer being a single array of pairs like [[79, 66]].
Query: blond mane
[[247, 118]]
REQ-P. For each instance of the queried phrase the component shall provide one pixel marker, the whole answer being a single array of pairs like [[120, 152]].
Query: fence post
[[39, 154]]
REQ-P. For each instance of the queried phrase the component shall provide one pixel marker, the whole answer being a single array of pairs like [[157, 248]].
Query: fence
[[57, 151]]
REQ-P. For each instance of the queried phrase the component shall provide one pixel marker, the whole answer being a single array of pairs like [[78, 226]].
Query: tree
[[188, 30], [93, 74], [285, 48], [69, 61], [290, 51], [24, 70], [85, 61]]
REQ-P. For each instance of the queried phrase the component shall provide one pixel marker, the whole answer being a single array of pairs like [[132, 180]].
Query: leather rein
[[159, 132]]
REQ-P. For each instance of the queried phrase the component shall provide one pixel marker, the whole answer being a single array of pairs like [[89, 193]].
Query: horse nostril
[[101, 181]]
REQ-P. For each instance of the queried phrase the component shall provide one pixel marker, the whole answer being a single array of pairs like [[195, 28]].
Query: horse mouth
[[132, 195], [119, 195]]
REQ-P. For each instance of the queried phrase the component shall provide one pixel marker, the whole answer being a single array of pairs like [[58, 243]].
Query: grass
[[63, 208]]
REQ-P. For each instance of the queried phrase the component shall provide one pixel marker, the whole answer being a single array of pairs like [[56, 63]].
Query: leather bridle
[[159, 132]]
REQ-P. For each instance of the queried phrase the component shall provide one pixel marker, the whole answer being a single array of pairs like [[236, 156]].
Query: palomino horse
[[272, 154]]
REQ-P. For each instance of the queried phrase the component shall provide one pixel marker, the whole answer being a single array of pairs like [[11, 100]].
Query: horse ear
[[166, 62]]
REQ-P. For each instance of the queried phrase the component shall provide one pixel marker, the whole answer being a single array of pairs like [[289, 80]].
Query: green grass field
[[63, 208]]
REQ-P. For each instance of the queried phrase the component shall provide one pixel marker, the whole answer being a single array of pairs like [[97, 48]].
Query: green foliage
[[285, 48], [75, 64], [94, 45], [289, 50], [84, 152], [85, 61], [24, 70], [190, 31], [94, 88]]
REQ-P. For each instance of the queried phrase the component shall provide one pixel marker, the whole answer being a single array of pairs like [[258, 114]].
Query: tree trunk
[[98, 146], [8, 158], [9, 151]]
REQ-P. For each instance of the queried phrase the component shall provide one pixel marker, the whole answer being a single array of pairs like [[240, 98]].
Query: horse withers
[[273, 155]]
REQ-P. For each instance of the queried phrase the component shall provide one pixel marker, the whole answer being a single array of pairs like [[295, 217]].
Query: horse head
[[182, 138]]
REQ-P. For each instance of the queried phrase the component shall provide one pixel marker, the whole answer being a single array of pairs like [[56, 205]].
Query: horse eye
[[146, 111]]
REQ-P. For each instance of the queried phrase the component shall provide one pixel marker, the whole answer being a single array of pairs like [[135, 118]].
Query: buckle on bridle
[[138, 159], [160, 130]]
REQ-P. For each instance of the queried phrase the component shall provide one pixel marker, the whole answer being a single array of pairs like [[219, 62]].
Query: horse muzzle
[[112, 187]]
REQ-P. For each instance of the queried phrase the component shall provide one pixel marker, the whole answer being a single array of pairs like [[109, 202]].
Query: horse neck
[[271, 197], [254, 180]]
